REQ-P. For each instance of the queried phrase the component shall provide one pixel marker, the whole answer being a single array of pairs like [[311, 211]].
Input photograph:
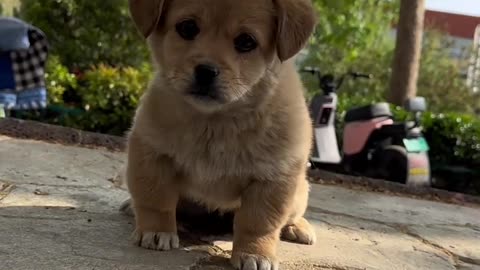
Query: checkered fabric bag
[[29, 65], [22, 70]]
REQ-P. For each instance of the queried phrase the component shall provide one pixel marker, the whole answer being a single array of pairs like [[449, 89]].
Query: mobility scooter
[[374, 145]]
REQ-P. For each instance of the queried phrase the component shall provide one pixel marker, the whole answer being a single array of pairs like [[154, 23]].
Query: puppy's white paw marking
[[156, 240], [254, 262]]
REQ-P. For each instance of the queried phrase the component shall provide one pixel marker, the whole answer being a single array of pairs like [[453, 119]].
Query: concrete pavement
[[59, 210]]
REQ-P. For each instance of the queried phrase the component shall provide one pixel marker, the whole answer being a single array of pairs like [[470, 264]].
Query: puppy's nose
[[205, 75]]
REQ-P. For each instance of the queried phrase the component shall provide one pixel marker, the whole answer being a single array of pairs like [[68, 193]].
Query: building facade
[[464, 32]]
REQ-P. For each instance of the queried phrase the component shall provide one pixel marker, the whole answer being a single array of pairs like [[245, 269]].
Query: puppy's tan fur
[[247, 152]]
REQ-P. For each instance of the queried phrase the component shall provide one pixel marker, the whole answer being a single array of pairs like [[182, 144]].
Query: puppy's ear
[[146, 14], [296, 22]]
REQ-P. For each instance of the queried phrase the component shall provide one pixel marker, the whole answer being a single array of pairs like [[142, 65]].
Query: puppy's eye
[[245, 43], [187, 29]]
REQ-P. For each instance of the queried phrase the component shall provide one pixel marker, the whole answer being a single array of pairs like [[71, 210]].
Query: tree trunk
[[406, 62]]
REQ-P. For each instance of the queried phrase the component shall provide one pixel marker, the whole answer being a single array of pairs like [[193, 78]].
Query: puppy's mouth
[[206, 94]]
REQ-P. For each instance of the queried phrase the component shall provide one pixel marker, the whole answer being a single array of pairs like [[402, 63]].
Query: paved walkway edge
[[23, 129], [32, 130]]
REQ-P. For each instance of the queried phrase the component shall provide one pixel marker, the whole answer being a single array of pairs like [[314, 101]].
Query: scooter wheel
[[391, 163]]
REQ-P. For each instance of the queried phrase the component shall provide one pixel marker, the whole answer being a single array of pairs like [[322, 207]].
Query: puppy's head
[[214, 52]]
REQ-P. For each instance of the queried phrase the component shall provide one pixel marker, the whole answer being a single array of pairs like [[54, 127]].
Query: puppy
[[224, 122]]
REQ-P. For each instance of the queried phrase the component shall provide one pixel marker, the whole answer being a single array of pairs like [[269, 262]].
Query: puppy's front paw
[[300, 232], [156, 240], [244, 261]]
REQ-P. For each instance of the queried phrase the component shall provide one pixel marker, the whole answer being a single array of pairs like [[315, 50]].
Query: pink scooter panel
[[356, 134]]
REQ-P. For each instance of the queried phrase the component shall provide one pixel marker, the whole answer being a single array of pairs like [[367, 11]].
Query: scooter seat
[[368, 112]]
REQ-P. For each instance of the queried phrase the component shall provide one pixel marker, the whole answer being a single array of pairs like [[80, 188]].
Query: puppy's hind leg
[[154, 197], [126, 208], [298, 229]]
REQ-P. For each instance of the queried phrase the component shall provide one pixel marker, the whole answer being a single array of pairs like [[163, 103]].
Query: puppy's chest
[[216, 152]]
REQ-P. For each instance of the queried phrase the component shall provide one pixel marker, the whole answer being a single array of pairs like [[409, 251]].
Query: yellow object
[[418, 171]]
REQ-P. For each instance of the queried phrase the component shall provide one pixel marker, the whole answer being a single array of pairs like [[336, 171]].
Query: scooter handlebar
[[328, 82], [356, 75], [311, 70]]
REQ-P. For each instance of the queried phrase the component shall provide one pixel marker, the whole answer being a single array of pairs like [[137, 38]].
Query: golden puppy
[[224, 122]]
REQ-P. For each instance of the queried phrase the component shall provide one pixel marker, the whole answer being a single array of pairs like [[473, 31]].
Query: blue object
[[34, 98], [14, 34], [8, 99], [7, 80]]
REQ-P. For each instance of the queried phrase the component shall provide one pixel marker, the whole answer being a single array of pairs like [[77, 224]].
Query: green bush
[[58, 80], [109, 97], [103, 99], [85, 33], [454, 139]]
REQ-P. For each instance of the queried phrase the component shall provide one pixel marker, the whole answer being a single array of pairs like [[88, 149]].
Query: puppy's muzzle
[[206, 76]]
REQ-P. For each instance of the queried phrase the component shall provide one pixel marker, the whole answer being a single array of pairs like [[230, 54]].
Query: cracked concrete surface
[[59, 210]]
